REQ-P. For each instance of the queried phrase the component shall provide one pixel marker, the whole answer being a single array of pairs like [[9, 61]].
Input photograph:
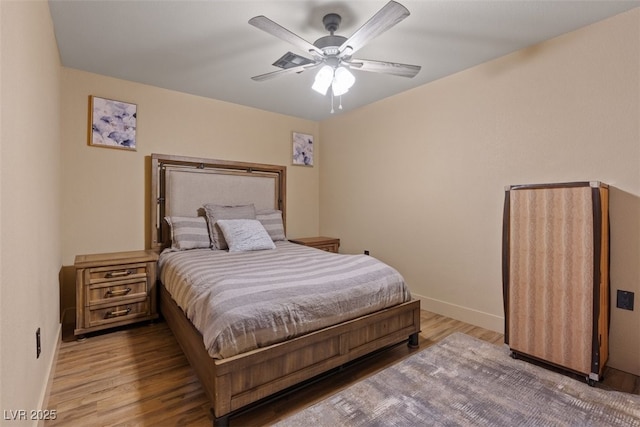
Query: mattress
[[240, 301]]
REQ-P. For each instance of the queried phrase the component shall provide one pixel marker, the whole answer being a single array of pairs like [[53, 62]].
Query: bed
[[259, 364]]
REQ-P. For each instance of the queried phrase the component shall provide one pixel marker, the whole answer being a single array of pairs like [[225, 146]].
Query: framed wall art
[[302, 149], [112, 123]]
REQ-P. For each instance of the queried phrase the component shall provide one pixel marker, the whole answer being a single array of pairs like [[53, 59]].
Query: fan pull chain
[[340, 106], [332, 110]]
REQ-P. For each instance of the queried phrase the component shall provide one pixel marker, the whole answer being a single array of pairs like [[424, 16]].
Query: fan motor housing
[[329, 43]]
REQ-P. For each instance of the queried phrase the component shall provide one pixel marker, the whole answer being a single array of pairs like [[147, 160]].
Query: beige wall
[[106, 196], [29, 203], [106, 190], [418, 179]]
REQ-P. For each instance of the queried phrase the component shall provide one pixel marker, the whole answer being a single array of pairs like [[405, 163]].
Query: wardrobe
[[556, 275]]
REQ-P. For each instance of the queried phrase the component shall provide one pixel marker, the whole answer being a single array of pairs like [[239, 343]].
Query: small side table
[[329, 244], [114, 289]]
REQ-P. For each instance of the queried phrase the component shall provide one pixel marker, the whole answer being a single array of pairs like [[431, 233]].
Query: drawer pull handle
[[119, 292], [118, 312], [111, 274]]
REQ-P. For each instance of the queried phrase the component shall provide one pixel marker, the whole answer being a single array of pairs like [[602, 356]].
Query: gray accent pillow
[[217, 212], [271, 219], [245, 235], [188, 232]]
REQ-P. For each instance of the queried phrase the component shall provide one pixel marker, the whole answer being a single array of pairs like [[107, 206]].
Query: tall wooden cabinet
[[556, 274]]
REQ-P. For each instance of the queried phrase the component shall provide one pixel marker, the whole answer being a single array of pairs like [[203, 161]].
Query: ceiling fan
[[333, 54]]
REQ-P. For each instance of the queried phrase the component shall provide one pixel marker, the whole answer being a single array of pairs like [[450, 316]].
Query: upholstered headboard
[[181, 186]]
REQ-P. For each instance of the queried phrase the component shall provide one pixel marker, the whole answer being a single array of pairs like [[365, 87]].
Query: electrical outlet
[[625, 300], [38, 344]]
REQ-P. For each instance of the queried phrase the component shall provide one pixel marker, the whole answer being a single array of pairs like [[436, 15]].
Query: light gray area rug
[[463, 381]]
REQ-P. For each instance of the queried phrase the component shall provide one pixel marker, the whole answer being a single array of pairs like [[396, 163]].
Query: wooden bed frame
[[233, 383]]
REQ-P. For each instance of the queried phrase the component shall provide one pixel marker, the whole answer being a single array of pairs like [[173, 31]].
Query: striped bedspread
[[245, 300]]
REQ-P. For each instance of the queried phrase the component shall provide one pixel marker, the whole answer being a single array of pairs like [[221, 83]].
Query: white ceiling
[[207, 48]]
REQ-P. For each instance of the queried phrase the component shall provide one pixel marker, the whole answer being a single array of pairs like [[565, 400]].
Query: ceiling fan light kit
[[333, 53], [323, 80], [339, 79], [342, 81]]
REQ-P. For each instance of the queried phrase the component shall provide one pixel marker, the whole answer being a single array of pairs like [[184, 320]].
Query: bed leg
[[413, 341]]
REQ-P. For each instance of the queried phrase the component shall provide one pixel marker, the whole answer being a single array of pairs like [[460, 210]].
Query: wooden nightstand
[[328, 244], [115, 289]]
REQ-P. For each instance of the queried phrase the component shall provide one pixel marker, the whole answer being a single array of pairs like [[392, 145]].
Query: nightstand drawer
[[329, 248], [116, 272], [116, 291], [329, 244], [118, 313]]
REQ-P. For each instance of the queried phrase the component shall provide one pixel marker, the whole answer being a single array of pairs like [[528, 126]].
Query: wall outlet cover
[[625, 300]]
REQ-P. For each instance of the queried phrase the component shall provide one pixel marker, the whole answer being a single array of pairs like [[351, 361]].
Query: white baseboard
[[44, 394], [464, 314]]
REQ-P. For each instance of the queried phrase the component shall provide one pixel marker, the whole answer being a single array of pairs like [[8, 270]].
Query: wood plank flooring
[[138, 376]]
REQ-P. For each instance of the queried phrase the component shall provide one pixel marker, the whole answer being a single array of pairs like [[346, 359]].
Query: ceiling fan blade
[[278, 73], [394, 68], [275, 29], [385, 18]]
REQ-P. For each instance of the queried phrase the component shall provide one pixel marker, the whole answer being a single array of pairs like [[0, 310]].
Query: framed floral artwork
[[113, 123], [302, 149]]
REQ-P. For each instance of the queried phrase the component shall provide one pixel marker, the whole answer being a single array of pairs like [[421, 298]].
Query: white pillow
[[245, 235]]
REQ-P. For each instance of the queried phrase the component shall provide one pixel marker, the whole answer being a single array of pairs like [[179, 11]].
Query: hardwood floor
[[138, 376]]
